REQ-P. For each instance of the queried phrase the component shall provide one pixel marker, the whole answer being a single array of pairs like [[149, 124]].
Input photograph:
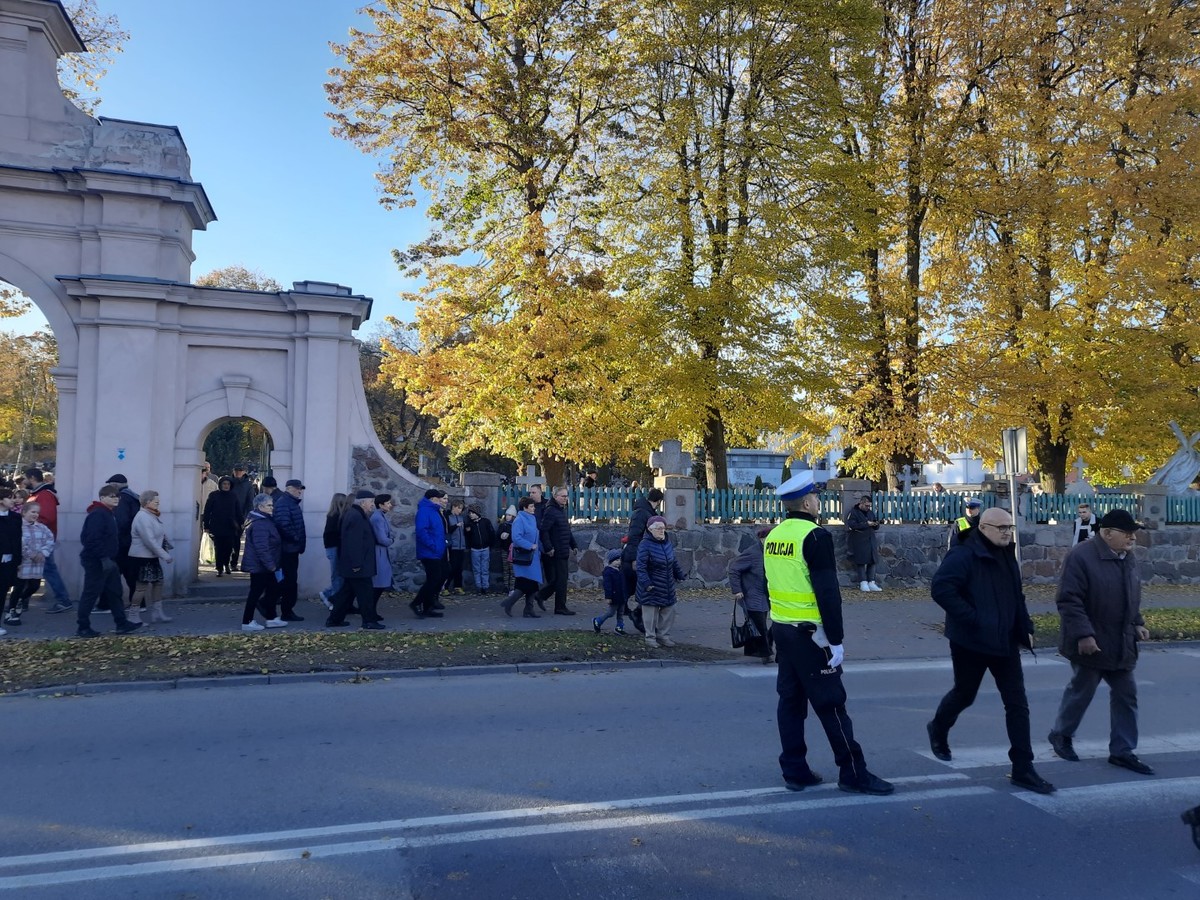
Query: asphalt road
[[626, 784]]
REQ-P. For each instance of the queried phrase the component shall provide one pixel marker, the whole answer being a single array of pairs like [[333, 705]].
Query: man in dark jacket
[[643, 509], [356, 562], [243, 489], [127, 509], [99, 546], [1100, 607], [979, 586], [289, 519], [10, 555], [557, 542]]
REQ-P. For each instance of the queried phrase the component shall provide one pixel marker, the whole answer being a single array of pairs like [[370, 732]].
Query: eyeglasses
[[1003, 529]]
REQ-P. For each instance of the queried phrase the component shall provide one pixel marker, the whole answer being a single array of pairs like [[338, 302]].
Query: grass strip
[[34, 664], [1164, 624]]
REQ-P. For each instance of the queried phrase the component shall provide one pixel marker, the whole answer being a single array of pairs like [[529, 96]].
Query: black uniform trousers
[[805, 677], [969, 668]]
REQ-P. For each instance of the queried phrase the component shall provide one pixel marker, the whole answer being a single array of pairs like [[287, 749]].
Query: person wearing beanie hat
[[614, 592], [1100, 613], [503, 542], [270, 486], [643, 509], [657, 572]]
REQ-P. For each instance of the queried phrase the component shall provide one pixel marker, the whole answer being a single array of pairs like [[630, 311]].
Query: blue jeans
[[613, 610], [54, 580], [335, 577], [481, 564]]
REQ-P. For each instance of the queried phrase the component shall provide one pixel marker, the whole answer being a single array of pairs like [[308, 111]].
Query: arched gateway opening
[[96, 224]]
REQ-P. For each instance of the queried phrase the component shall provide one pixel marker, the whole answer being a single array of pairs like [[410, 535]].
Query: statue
[[1178, 472]]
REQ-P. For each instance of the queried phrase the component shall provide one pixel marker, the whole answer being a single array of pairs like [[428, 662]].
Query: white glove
[[836, 655]]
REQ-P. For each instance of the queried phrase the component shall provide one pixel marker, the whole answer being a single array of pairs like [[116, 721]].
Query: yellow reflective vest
[[789, 584]]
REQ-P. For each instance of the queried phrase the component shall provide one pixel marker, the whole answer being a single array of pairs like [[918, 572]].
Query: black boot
[[509, 601], [529, 613]]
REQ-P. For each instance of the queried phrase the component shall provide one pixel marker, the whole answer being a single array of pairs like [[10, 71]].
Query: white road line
[[997, 754], [299, 853], [531, 812], [872, 668], [1128, 801]]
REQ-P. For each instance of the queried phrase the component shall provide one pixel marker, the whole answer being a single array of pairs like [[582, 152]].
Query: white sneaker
[[2, 632], [276, 623], [325, 601], [865, 587], [253, 626], [875, 587]]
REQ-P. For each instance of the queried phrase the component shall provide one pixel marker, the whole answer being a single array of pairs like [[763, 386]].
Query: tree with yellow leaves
[[494, 109]]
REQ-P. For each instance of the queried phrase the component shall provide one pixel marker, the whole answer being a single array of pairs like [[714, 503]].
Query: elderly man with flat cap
[[294, 536], [806, 612], [1100, 609], [987, 623]]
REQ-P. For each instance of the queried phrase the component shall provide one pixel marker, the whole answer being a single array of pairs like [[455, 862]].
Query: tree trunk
[[1052, 454], [553, 472], [715, 469]]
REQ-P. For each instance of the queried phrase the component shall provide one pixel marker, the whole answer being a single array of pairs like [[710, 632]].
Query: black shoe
[[1192, 817], [373, 626], [1030, 780], [939, 744], [1130, 762], [87, 633], [799, 784], [438, 604], [329, 623], [128, 627], [13, 618], [530, 614], [541, 603], [563, 612], [1062, 746], [433, 614], [508, 602], [871, 784], [292, 617]]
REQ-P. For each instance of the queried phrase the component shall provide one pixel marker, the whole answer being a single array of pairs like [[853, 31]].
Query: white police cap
[[796, 486]]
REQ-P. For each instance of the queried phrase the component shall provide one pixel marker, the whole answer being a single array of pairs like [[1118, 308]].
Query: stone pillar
[[483, 488], [1152, 503], [679, 500], [850, 490]]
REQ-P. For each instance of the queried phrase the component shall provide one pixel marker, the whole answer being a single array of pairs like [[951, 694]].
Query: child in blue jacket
[[614, 592]]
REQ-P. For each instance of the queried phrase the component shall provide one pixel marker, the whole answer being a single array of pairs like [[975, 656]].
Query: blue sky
[[243, 81]]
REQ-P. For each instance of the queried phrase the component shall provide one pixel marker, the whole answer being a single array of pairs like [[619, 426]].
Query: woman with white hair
[[149, 548]]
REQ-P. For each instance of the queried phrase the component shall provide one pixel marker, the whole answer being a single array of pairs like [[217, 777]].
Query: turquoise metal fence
[[746, 505]]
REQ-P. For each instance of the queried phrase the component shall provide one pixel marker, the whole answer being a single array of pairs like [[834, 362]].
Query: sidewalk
[[891, 625]]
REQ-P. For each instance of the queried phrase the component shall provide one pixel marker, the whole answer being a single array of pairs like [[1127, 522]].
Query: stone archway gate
[[96, 222]]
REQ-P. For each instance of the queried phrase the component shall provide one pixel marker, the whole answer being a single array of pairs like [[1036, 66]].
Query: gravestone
[[530, 479], [671, 467], [1079, 485], [907, 479]]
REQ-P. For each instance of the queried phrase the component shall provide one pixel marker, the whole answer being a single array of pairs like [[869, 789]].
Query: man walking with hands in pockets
[[1100, 608]]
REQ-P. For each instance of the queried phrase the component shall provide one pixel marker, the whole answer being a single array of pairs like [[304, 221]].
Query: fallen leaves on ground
[[35, 664]]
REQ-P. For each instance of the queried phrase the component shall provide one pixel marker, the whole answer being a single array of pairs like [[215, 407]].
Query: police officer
[[806, 609], [961, 528]]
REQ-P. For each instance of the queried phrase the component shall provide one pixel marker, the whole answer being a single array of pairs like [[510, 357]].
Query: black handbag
[[522, 556], [740, 634]]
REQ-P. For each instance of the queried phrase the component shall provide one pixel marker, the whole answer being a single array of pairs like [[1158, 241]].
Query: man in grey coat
[[1100, 606]]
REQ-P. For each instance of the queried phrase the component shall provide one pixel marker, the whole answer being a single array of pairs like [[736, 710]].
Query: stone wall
[[910, 554]]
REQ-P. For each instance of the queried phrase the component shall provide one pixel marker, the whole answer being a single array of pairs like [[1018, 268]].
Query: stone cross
[[529, 479], [669, 459], [907, 479], [1079, 467]]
